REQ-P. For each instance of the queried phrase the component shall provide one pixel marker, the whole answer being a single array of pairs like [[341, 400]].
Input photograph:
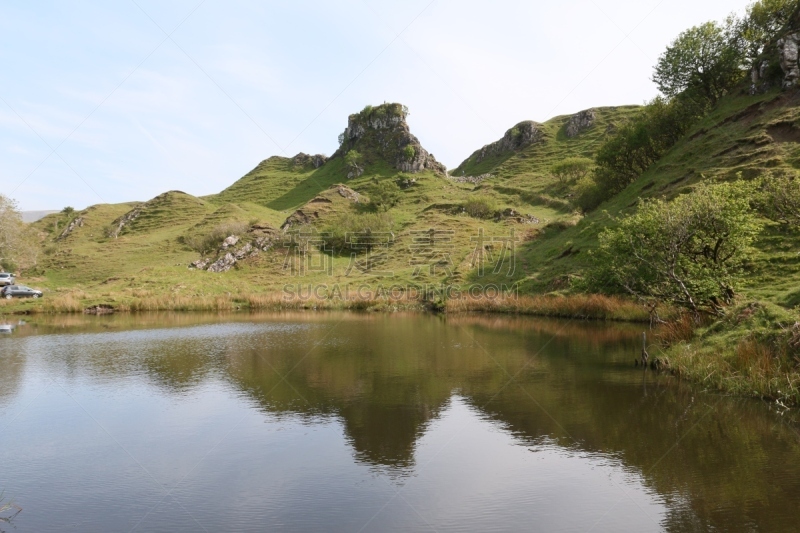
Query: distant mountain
[[33, 216]]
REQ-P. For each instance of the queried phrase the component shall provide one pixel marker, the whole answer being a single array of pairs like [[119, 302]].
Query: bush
[[479, 207], [780, 199], [688, 252], [409, 152], [204, 243], [572, 169], [356, 232], [383, 195]]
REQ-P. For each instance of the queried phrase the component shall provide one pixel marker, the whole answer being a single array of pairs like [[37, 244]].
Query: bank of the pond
[[753, 351]]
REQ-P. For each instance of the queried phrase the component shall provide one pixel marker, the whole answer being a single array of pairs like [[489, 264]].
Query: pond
[[374, 422]]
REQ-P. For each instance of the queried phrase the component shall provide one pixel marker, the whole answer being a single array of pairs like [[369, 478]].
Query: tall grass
[[583, 306]]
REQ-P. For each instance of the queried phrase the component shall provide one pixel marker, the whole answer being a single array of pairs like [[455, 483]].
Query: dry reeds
[[582, 306]]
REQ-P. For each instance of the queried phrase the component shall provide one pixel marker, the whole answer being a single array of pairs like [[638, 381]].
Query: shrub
[[357, 232], [780, 199], [479, 207], [688, 252], [383, 195], [409, 152], [572, 169]]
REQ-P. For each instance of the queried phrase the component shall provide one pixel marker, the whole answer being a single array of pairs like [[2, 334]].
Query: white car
[[6, 279]]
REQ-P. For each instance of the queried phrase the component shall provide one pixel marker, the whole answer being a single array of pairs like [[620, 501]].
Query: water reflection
[[557, 387]]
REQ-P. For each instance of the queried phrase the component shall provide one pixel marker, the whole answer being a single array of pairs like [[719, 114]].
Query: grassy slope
[[735, 140]]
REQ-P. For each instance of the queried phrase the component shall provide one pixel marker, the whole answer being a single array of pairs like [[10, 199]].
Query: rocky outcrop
[[475, 180], [580, 122], [348, 193], [305, 160], [523, 134], [76, 223], [788, 56], [382, 133], [235, 248]]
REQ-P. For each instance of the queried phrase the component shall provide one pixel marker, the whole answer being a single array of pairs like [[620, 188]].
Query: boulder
[[230, 241]]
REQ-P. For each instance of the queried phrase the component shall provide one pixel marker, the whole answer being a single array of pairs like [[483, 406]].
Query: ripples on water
[[348, 422]]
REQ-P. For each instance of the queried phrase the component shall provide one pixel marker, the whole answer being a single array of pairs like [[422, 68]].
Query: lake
[[374, 422]]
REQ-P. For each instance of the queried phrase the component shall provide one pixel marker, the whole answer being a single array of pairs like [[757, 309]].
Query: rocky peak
[[381, 132], [305, 160], [580, 122], [523, 134]]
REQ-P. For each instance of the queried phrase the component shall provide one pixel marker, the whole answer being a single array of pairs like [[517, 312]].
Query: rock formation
[[382, 133], [305, 160], [76, 223], [523, 134], [580, 122], [788, 55]]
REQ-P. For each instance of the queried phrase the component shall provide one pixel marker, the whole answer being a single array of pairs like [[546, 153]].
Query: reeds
[[582, 306]]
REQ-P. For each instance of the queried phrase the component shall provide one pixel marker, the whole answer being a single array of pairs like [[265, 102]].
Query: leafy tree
[[761, 24], [18, 242], [688, 252], [572, 169], [409, 152], [68, 211], [704, 62], [383, 195]]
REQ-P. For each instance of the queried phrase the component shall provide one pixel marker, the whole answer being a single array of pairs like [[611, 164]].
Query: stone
[[229, 241], [223, 264], [580, 122], [475, 180], [243, 251], [200, 264], [788, 54]]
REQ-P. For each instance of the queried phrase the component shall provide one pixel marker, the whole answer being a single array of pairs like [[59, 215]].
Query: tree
[[352, 161], [572, 169], [688, 252], [18, 243], [763, 21], [705, 62], [68, 211]]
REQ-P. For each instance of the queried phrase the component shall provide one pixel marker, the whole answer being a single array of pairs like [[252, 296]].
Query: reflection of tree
[[12, 368], [387, 377]]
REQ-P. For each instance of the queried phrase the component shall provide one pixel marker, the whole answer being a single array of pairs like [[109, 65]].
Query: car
[[19, 291], [6, 279]]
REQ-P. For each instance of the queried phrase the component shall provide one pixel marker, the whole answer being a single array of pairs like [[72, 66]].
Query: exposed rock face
[[76, 223], [475, 180], [788, 54], [223, 264], [347, 192], [382, 132], [260, 237], [305, 160], [580, 122], [522, 135]]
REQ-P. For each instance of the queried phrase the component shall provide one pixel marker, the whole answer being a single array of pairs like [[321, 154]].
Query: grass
[[146, 267]]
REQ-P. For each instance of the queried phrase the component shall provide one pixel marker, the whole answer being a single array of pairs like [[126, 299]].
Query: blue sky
[[121, 100]]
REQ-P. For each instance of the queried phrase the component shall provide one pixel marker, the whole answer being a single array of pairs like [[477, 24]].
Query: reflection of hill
[[387, 377]]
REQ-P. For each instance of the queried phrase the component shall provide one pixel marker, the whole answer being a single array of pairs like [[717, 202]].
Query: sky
[[106, 102]]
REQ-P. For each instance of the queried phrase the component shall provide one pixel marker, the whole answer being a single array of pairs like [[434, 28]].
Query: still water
[[374, 422]]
